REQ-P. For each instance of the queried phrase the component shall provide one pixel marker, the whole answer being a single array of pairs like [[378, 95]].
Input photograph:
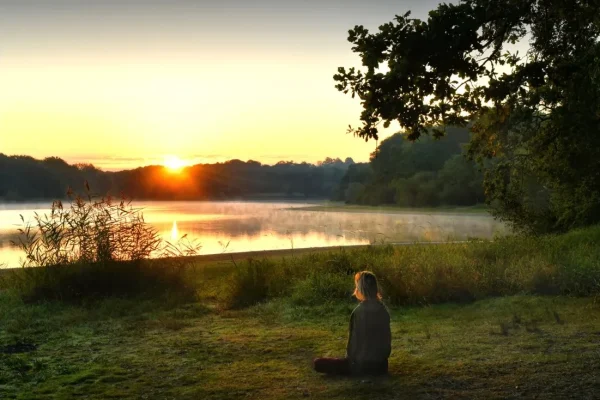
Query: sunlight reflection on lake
[[249, 226], [174, 232]]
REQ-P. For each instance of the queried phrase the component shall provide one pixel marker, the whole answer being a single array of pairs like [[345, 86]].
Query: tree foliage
[[536, 116], [423, 173]]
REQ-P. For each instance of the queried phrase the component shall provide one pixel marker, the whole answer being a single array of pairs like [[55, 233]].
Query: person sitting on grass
[[370, 339]]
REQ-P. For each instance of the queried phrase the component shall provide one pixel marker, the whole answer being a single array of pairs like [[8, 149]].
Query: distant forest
[[424, 173], [24, 178]]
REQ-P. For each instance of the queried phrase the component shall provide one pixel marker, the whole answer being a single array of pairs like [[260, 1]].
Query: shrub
[[79, 283], [341, 263], [91, 230], [248, 285], [322, 288], [427, 274], [94, 248]]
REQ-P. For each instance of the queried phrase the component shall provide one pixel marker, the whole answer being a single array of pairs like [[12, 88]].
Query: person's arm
[[350, 345], [387, 336]]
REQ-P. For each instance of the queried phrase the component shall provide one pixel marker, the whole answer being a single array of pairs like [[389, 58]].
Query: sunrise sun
[[173, 163]]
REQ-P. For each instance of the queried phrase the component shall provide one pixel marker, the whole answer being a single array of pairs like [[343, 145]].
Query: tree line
[[424, 173], [24, 178]]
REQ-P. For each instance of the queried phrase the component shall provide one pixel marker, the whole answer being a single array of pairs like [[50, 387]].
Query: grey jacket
[[370, 338]]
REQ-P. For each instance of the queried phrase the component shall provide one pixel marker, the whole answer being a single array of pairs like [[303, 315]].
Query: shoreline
[[350, 208], [244, 255], [202, 259], [275, 252]]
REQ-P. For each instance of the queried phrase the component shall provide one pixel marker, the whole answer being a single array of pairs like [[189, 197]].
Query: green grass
[[522, 346], [421, 274], [515, 318]]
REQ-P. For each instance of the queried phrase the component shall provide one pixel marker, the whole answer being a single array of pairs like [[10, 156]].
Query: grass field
[[512, 347], [469, 320]]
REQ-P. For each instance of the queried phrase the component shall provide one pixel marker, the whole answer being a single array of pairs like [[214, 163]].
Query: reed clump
[[96, 247]]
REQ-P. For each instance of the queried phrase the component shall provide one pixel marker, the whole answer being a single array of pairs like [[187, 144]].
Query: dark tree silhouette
[[24, 178], [536, 116], [423, 173]]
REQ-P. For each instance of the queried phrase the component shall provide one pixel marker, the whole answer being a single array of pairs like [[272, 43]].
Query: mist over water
[[250, 226]]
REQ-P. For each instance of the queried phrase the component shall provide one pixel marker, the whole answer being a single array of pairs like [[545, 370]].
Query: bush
[[83, 282], [96, 247], [248, 285], [428, 274], [341, 263], [322, 288], [89, 231]]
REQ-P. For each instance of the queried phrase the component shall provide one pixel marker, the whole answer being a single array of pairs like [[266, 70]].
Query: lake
[[249, 226]]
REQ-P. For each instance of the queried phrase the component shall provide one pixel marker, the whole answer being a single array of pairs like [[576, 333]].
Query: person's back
[[370, 339]]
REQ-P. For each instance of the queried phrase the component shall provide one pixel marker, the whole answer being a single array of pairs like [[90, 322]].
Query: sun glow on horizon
[[173, 163], [100, 73]]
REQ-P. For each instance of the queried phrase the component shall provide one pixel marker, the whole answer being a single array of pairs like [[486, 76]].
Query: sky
[[126, 83]]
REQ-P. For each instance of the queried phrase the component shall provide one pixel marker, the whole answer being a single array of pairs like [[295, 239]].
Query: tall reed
[[96, 246]]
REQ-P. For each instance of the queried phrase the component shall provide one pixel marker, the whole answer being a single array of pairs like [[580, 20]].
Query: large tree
[[535, 116]]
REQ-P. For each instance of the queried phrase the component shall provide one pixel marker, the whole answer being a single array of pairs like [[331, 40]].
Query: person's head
[[366, 286]]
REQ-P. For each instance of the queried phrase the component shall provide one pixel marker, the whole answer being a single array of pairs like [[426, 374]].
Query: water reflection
[[174, 232], [249, 226]]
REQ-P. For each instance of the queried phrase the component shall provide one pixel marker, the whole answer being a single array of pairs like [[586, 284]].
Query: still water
[[248, 226]]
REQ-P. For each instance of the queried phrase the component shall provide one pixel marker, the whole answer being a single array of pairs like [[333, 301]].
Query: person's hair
[[366, 286]]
